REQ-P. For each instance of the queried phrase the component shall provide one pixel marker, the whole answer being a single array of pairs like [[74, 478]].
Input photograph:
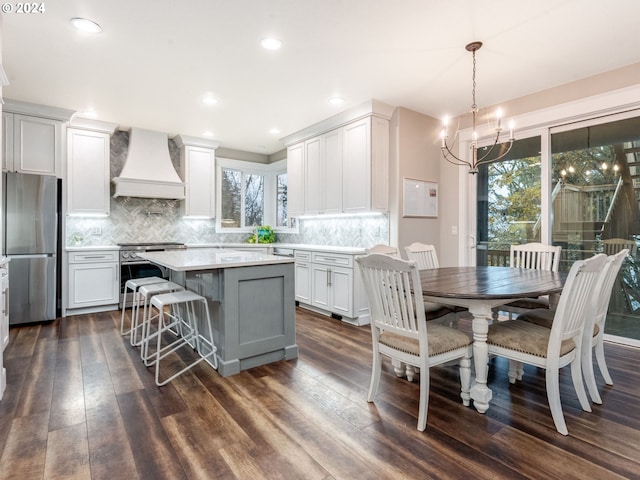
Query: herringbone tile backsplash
[[156, 220]]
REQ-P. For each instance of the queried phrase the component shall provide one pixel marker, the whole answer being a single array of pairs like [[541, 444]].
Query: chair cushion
[[441, 339], [530, 303], [544, 318], [524, 337], [539, 316]]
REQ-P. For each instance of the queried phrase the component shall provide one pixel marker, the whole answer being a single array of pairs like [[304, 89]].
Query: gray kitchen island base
[[252, 310]]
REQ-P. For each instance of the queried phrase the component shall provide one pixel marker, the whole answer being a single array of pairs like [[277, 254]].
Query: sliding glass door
[[509, 201], [593, 204]]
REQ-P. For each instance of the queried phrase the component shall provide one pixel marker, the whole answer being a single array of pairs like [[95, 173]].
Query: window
[[281, 200], [509, 201], [251, 194]]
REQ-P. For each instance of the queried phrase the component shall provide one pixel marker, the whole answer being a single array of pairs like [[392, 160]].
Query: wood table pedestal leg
[[480, 393]]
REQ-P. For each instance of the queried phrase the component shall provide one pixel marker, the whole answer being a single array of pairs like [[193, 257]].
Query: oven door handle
[[141, 262]]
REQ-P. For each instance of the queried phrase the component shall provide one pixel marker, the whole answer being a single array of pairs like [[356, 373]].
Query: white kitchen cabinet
[[313, 191], [323, 173], [88, 182], [303, 276], [36, 147], [295, 180], [93, 280], [34, 138], [366, 166], [4, 307], [345, 170], [4, 324], [197, 167], [332, 289], [329, 283], [332, 172], [7, 140]]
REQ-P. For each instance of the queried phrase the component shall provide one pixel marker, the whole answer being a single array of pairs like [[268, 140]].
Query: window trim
[[269, 171]]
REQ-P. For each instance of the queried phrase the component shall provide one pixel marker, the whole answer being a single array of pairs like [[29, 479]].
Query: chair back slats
[[535, 255], [605, 285], [389, 283], [611, 246], [424, 255], [570, 316]]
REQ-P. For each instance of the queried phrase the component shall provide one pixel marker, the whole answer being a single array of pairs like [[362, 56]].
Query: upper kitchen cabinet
[[197, 164], [88, 160], [295, 180], [323, 173], [33, 138], [365, 166], [341, 165]]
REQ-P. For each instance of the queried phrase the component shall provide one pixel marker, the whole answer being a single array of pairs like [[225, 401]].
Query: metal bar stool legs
[[185, 321], [145, 294], [133, 285]]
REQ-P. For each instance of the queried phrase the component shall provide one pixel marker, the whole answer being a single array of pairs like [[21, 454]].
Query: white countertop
[[199, 246], [210, 258], [89, 248]]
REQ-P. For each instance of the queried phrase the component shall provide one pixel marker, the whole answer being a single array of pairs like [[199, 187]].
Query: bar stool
[[186, 331], [134, 284], [145, 294]]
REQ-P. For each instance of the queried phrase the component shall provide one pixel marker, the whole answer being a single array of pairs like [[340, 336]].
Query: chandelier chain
[[485, 158]]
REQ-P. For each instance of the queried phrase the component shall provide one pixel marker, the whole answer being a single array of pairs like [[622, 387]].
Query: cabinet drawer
[[302, 255], [332, 259], [92, 257]]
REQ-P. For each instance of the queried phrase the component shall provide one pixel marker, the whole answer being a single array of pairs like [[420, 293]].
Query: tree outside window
[[242, 199]]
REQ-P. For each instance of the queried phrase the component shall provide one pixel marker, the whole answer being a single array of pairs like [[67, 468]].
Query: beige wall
[[448, 186], [414, 154]]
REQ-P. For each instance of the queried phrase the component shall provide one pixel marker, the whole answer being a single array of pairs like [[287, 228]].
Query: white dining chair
[[536, 256], [593, 340], [384, 250], [594, 332], [423, 254], [611, 246], [400, 331], [426, 256], [554, 348]]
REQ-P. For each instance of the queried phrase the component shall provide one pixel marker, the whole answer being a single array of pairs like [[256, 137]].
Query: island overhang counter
[[251, 301]]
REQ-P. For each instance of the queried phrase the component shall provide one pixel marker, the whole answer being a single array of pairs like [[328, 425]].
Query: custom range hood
[[148, 171]]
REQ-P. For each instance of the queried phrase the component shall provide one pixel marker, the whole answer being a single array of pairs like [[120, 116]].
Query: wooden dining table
[[480, 289]]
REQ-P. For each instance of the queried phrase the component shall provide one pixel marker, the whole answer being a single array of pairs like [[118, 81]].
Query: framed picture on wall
[[419, 198]]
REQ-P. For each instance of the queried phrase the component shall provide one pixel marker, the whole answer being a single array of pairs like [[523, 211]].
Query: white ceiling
[[155, 59]]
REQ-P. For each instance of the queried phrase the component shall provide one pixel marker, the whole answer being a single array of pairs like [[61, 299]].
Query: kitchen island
[[250, 298]]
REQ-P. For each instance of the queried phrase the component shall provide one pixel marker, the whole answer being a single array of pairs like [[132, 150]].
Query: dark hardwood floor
[[79, 404]]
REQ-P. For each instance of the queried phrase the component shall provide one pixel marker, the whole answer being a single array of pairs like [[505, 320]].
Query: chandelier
[[476, 160]]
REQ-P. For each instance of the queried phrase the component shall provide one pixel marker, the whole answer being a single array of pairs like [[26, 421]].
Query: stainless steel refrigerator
[[30, 231]]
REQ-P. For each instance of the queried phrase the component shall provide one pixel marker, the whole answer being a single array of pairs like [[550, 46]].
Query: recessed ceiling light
[[207, 134], [274, 131], [85, 25], [209, 99], [271, 43], [336, 100]]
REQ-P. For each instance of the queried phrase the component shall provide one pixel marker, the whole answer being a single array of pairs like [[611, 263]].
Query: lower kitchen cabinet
[[4, 306], [332, 289], [303, 276], [93, 281], [4, 323], [330, 283]]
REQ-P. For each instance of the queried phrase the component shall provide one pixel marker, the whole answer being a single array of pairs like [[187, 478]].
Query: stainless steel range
[[132, 266]]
